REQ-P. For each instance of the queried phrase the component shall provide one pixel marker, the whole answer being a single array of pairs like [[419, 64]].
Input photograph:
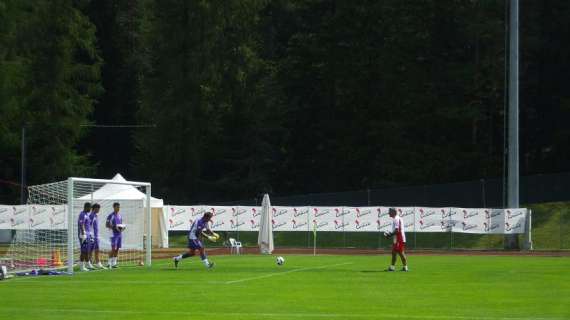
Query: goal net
[[46, 234]]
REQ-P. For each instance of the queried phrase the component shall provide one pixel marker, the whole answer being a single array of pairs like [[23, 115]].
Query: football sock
[[206, 262]]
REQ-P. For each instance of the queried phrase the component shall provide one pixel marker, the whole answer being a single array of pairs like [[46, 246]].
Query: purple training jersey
[[94, 224], [115, 219], [196, 229], [83, 221]]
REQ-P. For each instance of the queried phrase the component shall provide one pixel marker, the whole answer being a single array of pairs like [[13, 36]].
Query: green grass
[[306, 287]]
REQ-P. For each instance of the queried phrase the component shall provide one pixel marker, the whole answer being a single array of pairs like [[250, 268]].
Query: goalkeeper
[[399, 244], [115, 223], [200, 227], [85, 238]]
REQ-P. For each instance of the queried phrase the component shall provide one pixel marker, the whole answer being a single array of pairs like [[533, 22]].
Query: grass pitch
[[306, 287]]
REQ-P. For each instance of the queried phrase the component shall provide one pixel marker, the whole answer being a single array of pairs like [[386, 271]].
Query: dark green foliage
[[49, 80], [277, 96]]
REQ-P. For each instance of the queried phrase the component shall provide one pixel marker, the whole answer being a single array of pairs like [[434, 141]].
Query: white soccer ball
[[280, 261]]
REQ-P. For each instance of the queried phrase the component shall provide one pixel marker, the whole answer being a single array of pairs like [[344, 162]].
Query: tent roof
[[112, 191]]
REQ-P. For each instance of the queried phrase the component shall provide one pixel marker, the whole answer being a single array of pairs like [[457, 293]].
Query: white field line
[[286, 272], [266, 315]]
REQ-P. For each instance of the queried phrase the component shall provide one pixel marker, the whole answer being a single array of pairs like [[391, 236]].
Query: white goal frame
[[70, 202]]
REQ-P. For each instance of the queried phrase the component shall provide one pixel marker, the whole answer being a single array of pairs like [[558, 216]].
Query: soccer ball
[[280, 261]]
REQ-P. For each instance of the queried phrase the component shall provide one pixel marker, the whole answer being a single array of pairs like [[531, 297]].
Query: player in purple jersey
[[115, 223], [83, 231], [199, 227], [95, 230]]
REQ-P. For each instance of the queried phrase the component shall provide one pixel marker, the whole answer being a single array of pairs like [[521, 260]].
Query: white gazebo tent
[[119, 192]]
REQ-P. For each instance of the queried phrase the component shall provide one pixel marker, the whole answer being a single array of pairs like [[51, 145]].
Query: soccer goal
[[45, 230]]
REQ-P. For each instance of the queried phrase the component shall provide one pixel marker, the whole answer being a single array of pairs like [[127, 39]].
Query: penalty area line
[[286, 272]]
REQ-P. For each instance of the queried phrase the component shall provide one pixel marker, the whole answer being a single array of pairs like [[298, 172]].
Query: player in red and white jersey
[[398, 235]]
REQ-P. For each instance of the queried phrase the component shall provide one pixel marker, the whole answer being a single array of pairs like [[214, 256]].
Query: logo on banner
[[236, 224], [34, 224], [253, 211], [405, 213], [55, 211], [490, 215], [425, 225], [174, 224], [254, 225], [54, 223], [381, 226], [424, 214], [363, 212], [360, 226], [510, 227], [467, 226], [298, 213], [380, 214], [217, 224], [340, 213], [17, 211], [277, 213], [339, 224], [409, 224], [321, 213], [469, 214], [217, 212], [2, 210], [490, 227], [511, 215], [448, 214], [36, 211], [277, 225], [320, 224], [298, 225], [3, 221], [448, 224], [239, 212], [174, 212], [194, 212], [17, 222]]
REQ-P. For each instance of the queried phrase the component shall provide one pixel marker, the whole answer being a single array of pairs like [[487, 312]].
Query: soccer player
[[199, 227], [399, 243], [95, 230], [115, 223], [83, 230]]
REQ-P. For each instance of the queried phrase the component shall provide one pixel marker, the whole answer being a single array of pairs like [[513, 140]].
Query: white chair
[[234, 245]]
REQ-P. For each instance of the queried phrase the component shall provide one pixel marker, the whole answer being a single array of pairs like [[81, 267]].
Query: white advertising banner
[[383, 220], [360, 218], [300, 218], [281, 218], [494, 221], [35, 217], [5, 217], [430, 219], [515, 220], [323, 218], [472, 220], [350, 219], [241, 218], [181, 217]]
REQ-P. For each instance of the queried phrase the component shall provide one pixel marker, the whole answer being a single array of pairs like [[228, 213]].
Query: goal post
[[71, 196], [45, 231]]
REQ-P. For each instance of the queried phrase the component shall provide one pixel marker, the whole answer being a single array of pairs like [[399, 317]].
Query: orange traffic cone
[[56, 258]]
